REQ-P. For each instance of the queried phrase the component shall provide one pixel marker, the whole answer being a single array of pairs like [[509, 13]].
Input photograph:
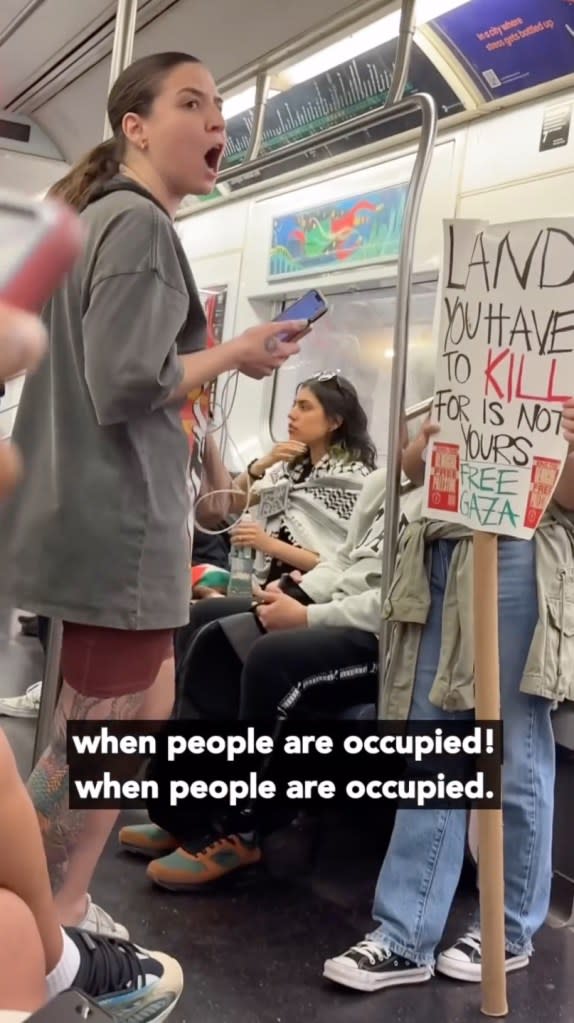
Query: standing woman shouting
[[99, 530]]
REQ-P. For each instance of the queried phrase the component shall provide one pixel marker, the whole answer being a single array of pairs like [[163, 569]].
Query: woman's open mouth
[[213, 159]]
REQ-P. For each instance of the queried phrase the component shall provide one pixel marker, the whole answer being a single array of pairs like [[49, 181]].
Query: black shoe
[[369, 967], [463, 960], [126, 979]]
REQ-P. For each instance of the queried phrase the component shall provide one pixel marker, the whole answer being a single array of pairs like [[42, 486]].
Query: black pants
[[201, 613], [320, 670]]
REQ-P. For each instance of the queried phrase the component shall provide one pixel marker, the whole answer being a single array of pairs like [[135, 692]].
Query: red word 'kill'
[[505, 372]]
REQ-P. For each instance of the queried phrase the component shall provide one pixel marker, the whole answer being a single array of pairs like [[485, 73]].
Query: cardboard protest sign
[[505, 368]]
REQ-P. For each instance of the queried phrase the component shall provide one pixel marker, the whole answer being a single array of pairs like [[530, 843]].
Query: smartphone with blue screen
[[311, 307]]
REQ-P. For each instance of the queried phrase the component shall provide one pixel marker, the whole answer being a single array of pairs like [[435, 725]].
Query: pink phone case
[[47, 263]]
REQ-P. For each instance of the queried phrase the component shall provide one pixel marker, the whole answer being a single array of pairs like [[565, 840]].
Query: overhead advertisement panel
[[334, 97], [507, 46]]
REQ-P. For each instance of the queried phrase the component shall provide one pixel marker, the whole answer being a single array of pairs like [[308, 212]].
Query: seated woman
[[327, 460], [430, 677], [310, 484], [320, 649]]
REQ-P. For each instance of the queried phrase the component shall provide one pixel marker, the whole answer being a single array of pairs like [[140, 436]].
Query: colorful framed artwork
[[339, 235]]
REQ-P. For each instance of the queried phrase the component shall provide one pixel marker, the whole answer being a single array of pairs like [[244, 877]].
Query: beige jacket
[[549, 669]]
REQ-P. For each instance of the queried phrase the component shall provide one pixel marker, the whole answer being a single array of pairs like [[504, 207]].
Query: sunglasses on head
[[325, 376], [329, 376]]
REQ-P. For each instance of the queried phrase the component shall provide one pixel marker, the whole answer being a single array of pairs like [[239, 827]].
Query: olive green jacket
[[549, 670]]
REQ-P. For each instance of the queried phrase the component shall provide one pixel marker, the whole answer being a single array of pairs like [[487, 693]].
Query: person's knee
[[209, 685], [186, 636], [159, 700], [18, 920], [263, 653], [22, 977], [198, 658], [11, 782], [200, 614], [8, 768], [262, 684]]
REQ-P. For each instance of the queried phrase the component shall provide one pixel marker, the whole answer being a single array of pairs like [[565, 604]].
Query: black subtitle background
[[338, 766]]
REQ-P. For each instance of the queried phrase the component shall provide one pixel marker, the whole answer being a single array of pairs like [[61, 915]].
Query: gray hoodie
[[347, 588], [97, 532]]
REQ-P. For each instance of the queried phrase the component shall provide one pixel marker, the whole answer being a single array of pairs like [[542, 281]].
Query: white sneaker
[[97, 921], [25, 706], [368, 966], [463, 960]]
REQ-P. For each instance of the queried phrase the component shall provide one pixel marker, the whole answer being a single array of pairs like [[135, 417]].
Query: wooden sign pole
[[490, 823]]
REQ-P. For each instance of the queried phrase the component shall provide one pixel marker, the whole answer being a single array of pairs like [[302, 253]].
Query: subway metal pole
[[404, 47], [261, 91], [50, 689], [400, 346], [124, 35], [426, 106], [398, 377]]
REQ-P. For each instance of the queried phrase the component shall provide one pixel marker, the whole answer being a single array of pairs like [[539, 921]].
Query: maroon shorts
[[104, 663]]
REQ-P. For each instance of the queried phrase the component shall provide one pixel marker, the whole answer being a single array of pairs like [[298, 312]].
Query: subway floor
[[253, 953]]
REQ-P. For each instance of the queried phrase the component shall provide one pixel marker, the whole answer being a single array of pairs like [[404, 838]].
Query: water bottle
[[241, 568]]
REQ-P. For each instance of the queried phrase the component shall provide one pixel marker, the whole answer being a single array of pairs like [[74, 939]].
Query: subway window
[[356, 339]]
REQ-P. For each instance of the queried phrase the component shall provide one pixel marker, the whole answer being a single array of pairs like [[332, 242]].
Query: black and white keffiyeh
[[319, 501]]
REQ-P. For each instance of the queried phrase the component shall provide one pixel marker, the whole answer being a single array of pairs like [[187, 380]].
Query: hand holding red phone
[[39, 242], [22, 344]]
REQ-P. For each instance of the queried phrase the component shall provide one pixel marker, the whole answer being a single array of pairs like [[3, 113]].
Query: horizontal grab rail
[[419, 409], [418, 103]]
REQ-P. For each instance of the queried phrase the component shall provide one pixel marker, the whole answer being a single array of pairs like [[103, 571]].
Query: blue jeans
[[420, 873]]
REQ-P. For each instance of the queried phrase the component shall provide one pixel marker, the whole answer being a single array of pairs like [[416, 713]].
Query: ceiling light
[[240, 103], [367, 38]]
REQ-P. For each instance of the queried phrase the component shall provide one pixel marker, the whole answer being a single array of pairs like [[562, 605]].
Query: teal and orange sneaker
[[146, 840], [212, 859]]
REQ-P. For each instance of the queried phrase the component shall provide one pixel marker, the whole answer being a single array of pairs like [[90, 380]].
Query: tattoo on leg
[[48, 784]]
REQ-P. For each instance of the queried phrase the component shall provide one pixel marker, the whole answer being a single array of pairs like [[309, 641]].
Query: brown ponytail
[[95, 168], [134, 92]]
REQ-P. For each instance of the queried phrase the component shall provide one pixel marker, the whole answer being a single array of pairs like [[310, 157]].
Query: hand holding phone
[[39, 242], [311, 307], [259, 351]]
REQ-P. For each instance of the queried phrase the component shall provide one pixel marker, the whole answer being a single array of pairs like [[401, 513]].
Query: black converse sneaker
[[369, 967], [463, 961], [125, 979]]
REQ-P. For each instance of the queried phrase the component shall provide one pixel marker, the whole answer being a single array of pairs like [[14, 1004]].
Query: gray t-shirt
[[99, 530]]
